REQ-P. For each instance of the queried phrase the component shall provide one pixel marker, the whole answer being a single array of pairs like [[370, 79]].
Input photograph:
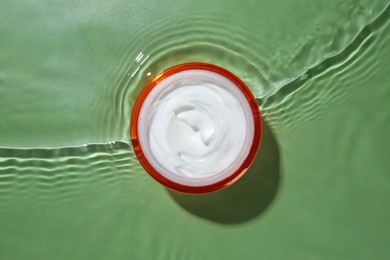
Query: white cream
[[195, 127]]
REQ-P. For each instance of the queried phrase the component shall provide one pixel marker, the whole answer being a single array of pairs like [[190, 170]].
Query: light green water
[[71, 187]]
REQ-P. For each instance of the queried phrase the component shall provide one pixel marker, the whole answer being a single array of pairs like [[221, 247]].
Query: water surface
[[71, 187]]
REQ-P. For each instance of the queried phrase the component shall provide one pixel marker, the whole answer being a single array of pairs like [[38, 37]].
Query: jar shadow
[[246, 199]]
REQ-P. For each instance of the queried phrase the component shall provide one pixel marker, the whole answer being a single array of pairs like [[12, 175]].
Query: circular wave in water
[[265, 64]]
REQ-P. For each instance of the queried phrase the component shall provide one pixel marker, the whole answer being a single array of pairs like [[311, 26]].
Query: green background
[[71, 187]]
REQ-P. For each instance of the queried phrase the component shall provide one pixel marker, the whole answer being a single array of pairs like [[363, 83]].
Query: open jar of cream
[[195, 128]]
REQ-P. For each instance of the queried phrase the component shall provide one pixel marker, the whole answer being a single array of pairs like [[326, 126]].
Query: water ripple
[[355, 64], [41, 175], [267, 67]]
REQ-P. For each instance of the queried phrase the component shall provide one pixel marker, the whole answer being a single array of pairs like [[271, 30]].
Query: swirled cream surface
[[195, 126]]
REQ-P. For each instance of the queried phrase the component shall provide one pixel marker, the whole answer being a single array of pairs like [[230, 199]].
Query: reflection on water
[[70, 74]]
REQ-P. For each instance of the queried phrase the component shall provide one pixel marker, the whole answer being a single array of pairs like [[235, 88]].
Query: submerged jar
[[195, 128]]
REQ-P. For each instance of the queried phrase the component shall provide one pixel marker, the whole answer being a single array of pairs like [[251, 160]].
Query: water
[[71, 187]]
